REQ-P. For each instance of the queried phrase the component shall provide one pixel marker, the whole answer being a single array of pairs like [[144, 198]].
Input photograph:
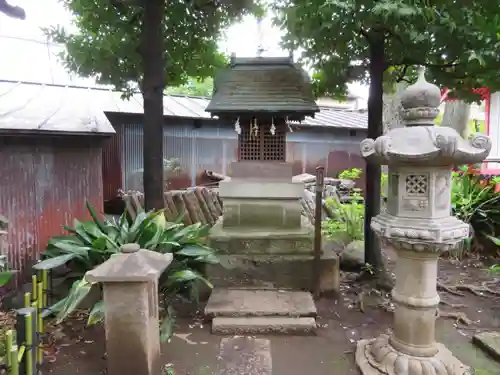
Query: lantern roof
[[274, 86], [420, 142]]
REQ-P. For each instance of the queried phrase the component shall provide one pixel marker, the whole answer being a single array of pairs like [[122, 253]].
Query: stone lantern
[[418, 225]]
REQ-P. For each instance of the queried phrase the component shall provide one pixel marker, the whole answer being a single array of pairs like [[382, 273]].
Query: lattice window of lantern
[[416, 185]]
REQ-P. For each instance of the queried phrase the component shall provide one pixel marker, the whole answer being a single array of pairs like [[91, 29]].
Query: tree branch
[[12, 10], [365, 34], [436, 66]]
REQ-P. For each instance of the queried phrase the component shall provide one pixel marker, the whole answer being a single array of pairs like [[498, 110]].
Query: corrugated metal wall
[[44, 185], [111, 165], [214, 147]]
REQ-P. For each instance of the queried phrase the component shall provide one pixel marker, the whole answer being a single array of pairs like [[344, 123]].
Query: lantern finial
[[421, 101]]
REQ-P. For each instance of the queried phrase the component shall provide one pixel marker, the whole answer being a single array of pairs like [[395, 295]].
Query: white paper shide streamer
[[237, 127], [273, 128]]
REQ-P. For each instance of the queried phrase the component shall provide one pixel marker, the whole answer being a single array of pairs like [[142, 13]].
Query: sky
[[24, 59]]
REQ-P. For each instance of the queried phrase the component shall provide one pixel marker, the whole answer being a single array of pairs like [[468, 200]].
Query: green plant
[[347, 223], [93, 242], [475, 201], [496, 267], [355, 174], [5, 272], [350, 174]]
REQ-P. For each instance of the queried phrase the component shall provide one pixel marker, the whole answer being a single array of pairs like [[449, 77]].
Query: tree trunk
[[373, 253], [151, 49], [456, 115]]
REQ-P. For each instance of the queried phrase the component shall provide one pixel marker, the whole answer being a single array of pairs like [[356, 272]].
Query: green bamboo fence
[[23, 347]]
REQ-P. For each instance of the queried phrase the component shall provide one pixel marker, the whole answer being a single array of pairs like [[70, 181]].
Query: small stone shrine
[[261, 221], [262, 233], [419, 226]]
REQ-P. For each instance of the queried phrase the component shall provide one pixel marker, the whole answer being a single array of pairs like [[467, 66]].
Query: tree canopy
[[105, 42], [457, 40]]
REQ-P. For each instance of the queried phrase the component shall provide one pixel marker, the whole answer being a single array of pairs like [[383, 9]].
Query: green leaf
[[194, 251], [95, 217], [185, 276], [495, 240], [75, 297], [96, 315], [72, 248], [167, 325], [5, 277], [55, 262], [100, 243]]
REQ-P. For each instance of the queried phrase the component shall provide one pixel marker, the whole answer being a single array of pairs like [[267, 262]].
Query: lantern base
[[377, 356]]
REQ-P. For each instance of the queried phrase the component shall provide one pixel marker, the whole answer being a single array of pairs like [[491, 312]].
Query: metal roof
[[45, 108], [36, 107]]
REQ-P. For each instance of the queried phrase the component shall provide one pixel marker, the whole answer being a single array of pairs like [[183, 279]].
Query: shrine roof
[[265, 85]]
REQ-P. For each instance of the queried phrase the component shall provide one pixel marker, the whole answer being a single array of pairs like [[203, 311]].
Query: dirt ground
[[193, 350]]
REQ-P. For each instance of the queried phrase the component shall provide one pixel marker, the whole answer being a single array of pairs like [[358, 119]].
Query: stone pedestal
[[130, 286], [411, 349], [418, 226], [261, 232]]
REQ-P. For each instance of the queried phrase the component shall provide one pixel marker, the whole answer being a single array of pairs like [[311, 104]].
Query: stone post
[[418, 225], [130, 286]]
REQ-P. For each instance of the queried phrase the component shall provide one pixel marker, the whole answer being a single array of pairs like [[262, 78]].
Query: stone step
[[245, 355], [264, 325], [259, 302]]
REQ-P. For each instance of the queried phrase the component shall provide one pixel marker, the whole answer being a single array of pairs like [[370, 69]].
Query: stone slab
[[257, 213], [489, 342], [262, 170], [459, 342], [244, 355], [220, 234], [264, 325], [275, 271], [262, 303], [257, 189]]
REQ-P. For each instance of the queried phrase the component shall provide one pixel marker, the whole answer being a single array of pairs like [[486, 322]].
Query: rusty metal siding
[[214, 146], [112, 165], [44, 185]]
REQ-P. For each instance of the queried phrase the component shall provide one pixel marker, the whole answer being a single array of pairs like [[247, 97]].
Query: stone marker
[[489, 342], [130, 285], [245, 356], [418, 225]]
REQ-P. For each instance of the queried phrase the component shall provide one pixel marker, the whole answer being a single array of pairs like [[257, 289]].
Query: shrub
[[347, 223], [351, 174], [476, 202], [93, 242]]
